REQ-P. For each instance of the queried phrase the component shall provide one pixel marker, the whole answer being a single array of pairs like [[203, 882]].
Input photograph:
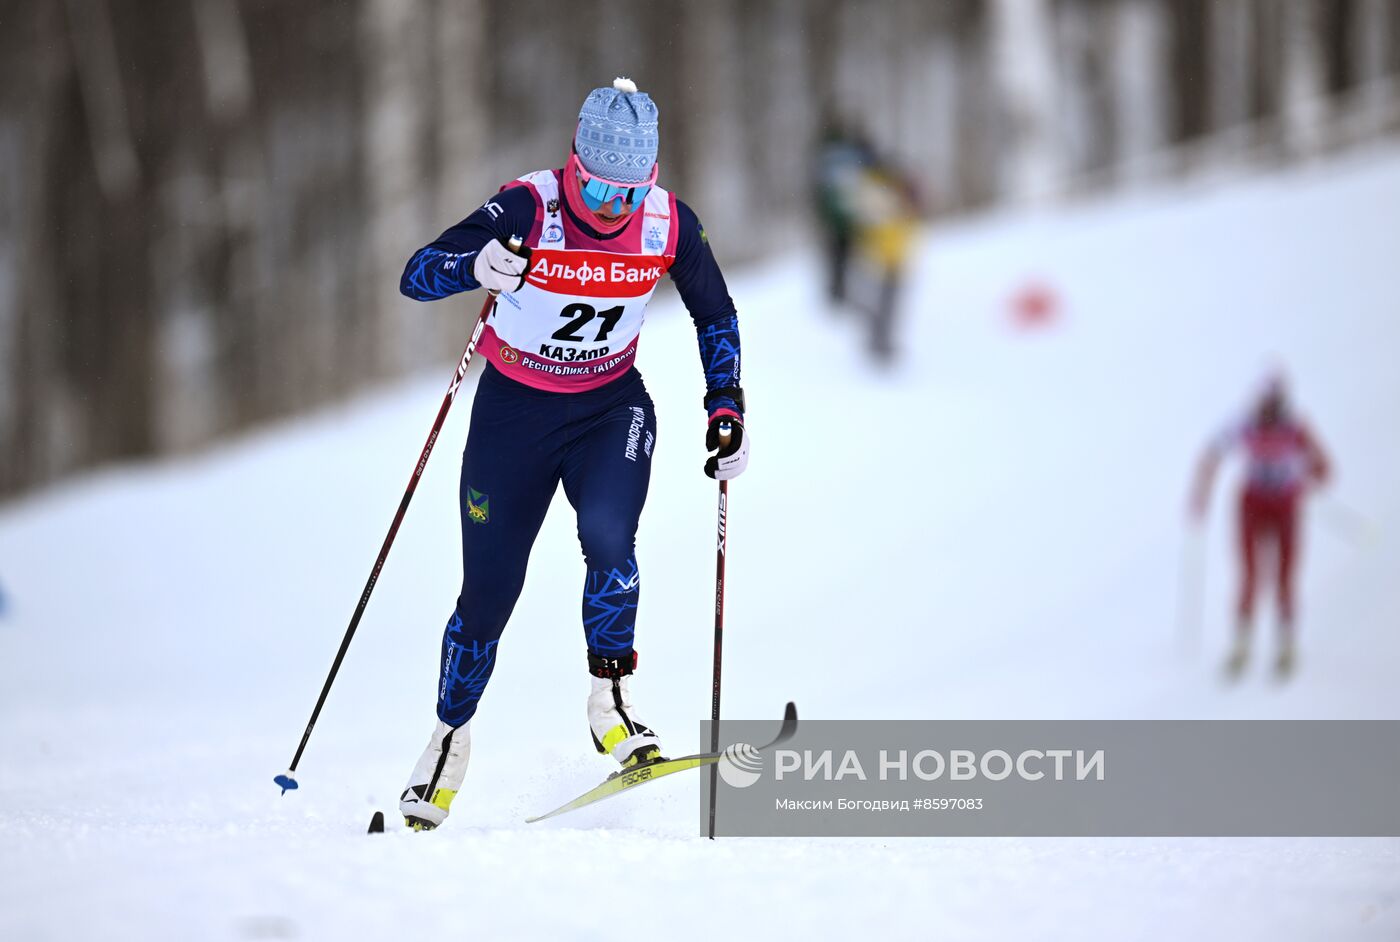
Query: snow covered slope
[[993, 532]]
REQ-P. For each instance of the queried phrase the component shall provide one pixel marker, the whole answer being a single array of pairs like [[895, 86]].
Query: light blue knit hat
[[617, 137]]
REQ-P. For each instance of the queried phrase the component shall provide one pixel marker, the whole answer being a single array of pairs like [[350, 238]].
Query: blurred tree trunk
[[982, 141], [1266, 79], [1140, 76], [1087, 117], [398, 53], [937, 90], [35, 82], [1303, 108], [1231, 62], [713, 123], [1336, 19], [108, 329], [1392, 58], [1190, 61], [1371, 35], [1021, 37], [236, 333], [457, 175]]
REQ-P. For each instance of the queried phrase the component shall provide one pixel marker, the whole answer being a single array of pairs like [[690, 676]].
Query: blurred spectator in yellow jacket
[[885, 212], [867, 208]]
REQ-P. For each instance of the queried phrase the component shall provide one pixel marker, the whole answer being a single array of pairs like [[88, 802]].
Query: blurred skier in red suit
[[1284, 460]]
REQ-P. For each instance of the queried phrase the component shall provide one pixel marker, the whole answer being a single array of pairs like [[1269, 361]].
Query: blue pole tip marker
[[286, 780]]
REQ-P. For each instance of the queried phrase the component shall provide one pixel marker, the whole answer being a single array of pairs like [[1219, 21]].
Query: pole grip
[[514, 243]]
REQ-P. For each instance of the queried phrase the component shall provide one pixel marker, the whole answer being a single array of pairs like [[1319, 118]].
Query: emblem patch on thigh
[[478, 506]]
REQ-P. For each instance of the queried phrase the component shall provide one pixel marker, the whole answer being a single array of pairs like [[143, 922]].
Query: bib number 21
[[579, 315]]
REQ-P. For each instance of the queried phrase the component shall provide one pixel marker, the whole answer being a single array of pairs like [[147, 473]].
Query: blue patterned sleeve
[[701, 286], [719, 354], [434, 273], [444, 266]]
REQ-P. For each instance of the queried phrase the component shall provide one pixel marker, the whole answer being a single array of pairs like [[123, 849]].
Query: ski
[[627, 779]]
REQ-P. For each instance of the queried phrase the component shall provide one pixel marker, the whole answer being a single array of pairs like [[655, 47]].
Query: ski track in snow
[[992, 532]]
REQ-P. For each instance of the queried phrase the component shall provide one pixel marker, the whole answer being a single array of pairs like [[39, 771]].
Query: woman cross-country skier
[[1284, 460], [561, 400]]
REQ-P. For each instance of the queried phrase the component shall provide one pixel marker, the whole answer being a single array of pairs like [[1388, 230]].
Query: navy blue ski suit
[[524, 441]]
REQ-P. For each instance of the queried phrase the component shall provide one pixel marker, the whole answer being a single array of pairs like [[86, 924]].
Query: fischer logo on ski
[[631, 778]]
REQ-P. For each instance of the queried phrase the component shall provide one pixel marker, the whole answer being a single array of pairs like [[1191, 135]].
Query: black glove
[[726, 433]]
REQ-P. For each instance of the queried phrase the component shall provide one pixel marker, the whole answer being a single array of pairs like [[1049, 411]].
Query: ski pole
[[288, 779], [1190, 592], [719, 633], [1344, 521]]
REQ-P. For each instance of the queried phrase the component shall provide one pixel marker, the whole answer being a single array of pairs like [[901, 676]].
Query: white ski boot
[[1237, 661], [437, 777], [1239, 653], [616, 729], [1287, 659]]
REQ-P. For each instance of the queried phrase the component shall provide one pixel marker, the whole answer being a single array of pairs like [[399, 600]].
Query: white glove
[[726, 434], [499, 268]]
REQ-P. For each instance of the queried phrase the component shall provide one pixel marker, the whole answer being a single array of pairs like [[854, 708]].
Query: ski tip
[[376, 823], [287, 781], [789, 727], [789, 720]]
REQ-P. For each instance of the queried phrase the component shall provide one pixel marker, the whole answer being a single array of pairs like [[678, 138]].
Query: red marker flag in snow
[[1034, 305]]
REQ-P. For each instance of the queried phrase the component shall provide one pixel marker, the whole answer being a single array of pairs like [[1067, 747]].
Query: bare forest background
[[205, 205]]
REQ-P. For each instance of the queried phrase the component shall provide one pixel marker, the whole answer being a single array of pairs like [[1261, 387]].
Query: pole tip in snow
[[287, 780]]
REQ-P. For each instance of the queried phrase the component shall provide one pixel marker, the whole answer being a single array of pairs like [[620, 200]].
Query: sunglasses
[[617, 197]]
